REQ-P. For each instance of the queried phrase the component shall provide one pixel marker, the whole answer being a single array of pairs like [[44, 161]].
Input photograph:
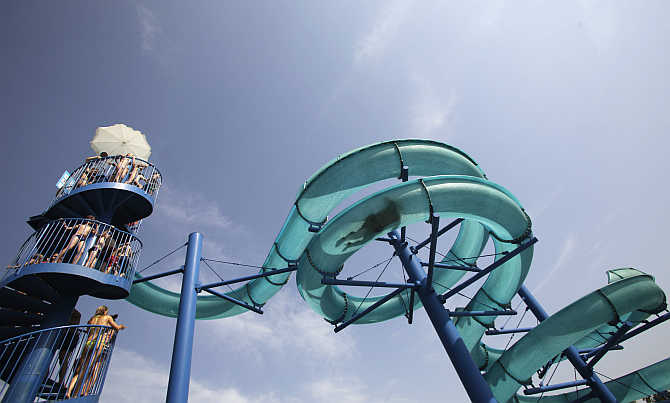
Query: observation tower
[[85, 243]]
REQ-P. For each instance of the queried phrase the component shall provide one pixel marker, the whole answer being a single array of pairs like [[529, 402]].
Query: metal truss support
[[478, 390], [571, 352]]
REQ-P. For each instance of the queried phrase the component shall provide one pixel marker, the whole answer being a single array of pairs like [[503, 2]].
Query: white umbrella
[[120, 139]]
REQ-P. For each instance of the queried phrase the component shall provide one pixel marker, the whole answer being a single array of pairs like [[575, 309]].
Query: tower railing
[[118, 168], [83, 242], [81, 356]]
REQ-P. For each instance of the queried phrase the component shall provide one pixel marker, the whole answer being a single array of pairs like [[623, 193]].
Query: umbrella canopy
[[120, 139]]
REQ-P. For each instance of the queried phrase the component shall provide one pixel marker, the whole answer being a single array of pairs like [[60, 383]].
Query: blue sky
[[565, 104]]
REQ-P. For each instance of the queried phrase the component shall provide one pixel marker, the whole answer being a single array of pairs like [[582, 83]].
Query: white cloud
[[538, 209], [384, 29], [350, 390], [193, 209], [429, 110], [566, 253], [288, 325], [149, 27], [134, 378]]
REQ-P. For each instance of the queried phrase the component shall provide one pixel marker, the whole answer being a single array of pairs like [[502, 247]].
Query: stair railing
[[118, 168], [83, 242], [81, 356]]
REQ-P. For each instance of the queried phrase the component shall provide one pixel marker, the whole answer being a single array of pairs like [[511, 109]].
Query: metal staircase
[[84, 244]]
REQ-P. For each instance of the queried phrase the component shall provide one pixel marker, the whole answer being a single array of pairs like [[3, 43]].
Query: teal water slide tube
[[451, 184]]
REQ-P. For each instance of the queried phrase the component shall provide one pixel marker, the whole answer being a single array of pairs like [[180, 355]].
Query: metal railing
[[84, 242], [118, 168], [78, 358]]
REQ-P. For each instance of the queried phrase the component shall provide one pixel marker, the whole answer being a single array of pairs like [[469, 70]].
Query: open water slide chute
[[445, 182]]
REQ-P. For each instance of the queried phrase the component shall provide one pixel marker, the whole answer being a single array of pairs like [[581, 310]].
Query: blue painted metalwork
[[456, 314], [435, 227], [475, 385], [247, 278], [159, 275], [114, 203], [36, 355], [180, 369], [455, 290], [556, 386], [80, 256], [441, 232], [359, 283], [611, 342], [234, 300], [76, 367], [494, 332], [571, 352]]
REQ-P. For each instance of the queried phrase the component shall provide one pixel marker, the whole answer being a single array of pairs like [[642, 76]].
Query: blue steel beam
[[368, 310], [489, 269], [645, 327], [614, 339], [234, 301], [434, 228], [457, 314], [494, 332], [160, 275], [453, 267], [441, 232], [247, 278], [557, 386], [180, 368], [571, 352], [478, 390], [360, 283]]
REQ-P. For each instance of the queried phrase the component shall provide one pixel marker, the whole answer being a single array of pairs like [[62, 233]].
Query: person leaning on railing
[[90, 360], [78, 239]]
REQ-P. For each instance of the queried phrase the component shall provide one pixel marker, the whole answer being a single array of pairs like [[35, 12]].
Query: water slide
[[446, 182]]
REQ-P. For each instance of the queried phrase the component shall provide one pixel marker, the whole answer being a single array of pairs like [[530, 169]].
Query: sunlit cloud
[[384, 29], [149, 27], [134, 378]]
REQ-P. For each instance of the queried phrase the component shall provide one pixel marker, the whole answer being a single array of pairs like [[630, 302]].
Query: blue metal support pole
[[31, 373], [571, 352], [478, 390], [180, 368]]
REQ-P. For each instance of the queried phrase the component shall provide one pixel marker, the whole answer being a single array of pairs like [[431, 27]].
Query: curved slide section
[[336, 181], [451, 185], [636, 292]]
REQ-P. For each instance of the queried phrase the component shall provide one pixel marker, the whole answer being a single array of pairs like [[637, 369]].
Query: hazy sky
[[563, 103]]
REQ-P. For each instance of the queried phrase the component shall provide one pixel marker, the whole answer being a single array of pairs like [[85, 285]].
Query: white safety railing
[[118, 168], [78, 359], [82, 241]]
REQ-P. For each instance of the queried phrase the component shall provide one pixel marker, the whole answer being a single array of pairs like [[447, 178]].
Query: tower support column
[[33, 369], [475, 385], [180, 369]]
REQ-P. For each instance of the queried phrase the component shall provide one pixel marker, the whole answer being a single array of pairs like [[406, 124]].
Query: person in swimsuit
[[86, 176], [36, 259], [78, 240], [97, 340], [122, 167], [134, 176], [97, 248], [121, 259], [153, 183], [96, 157]]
